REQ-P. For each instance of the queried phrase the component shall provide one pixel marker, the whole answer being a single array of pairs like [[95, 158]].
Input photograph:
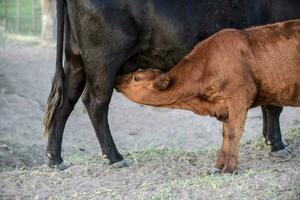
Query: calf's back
[[276, 62]]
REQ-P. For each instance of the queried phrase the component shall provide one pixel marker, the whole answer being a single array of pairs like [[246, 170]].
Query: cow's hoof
[[214, 171], [285, 143], [60, 167], [120, 164], [283, 153]]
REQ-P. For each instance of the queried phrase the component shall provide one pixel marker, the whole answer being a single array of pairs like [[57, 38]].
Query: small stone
[[214, 171]]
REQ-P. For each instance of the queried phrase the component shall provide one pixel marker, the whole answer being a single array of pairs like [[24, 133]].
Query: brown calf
[[224, 76]]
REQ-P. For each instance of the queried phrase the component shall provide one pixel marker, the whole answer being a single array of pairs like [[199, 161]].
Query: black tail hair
[[55, 98]]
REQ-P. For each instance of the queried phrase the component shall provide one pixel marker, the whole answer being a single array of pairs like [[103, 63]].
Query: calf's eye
[[136, 78]]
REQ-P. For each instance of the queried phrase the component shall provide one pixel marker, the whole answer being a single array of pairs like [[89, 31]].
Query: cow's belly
[[163, 55]]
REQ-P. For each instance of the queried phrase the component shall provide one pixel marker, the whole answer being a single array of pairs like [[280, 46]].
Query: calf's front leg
[[221, 155], [227, 158], [234, 129]]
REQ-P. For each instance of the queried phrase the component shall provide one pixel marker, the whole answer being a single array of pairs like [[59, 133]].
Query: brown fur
[[226, 75]]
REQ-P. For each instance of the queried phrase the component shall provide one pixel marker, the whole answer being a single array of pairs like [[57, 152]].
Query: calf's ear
[[161, 83]]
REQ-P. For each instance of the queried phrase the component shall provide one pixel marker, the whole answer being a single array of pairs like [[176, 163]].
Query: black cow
[[102, 38]]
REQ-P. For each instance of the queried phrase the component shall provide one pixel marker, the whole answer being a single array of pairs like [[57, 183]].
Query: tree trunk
[[48, 10]]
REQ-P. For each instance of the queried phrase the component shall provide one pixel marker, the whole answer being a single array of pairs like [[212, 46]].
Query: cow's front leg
[[264, 129], [97, 104], [273, 133], [96, 98]]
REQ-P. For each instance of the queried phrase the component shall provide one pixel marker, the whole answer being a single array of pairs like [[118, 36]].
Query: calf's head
[[143, 86]]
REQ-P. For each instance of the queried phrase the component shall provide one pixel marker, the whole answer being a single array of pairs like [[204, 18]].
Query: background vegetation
[[23, 16], [28, 17]]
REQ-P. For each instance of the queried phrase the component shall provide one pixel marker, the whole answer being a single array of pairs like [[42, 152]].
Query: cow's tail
[[55, 98]]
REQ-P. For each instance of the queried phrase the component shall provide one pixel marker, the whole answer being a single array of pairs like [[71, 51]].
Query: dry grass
[[166, 173]]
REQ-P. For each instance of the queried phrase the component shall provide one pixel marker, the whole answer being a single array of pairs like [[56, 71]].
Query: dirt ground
[[169, 150]]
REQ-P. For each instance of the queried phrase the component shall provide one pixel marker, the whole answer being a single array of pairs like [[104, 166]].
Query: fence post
[[48, 10], [5, 15], [33, 21], [17, 15]]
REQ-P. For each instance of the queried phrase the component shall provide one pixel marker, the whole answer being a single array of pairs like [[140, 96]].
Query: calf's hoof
[[214, 171], [282, 153], [120, 164], [228, 171], [61, 166]]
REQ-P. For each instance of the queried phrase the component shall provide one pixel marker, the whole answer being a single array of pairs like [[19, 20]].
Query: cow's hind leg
[[73, 85]]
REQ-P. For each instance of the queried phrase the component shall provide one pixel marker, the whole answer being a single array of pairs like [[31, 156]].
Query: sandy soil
[[25, 74]]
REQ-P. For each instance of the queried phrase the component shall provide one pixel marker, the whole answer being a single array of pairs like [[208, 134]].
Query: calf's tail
[[55, 98]]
